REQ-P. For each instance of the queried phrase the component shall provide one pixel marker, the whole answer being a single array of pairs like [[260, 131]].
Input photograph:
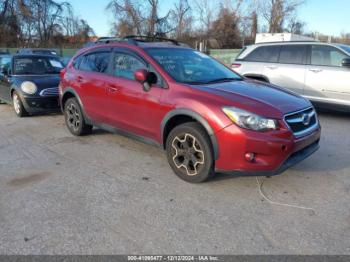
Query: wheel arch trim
[[195, 116], [254, 76], [70, 90]]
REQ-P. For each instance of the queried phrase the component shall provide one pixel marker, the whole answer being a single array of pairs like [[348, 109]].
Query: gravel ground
[[107, 194]]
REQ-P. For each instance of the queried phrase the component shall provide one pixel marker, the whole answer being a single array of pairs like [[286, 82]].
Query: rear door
[[258, 60], [90, 81], [289, 72], [326, 79]]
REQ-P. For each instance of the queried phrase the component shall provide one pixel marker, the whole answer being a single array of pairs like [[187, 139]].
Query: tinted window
[[264, 54], [96, 62], [326, 56], [292, 54], [37, 66], [190, 66], [76, 62], [126, 65], [5, 61]]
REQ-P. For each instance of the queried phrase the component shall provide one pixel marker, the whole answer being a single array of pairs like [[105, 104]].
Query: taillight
[[235, 65]]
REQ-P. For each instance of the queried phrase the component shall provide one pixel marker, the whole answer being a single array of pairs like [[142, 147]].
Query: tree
[[181, 19], [225, 29], [206, 11], [138, 17], [276, 12], [296, 26]]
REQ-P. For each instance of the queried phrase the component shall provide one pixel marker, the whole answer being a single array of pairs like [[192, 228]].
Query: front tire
[[75, 119], [190, 153], [18, 105]]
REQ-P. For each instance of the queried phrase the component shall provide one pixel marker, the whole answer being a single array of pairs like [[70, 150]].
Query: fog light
[[250, 157]]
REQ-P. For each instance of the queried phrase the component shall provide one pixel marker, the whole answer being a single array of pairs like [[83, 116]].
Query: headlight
[[249, 120], [29, 87]]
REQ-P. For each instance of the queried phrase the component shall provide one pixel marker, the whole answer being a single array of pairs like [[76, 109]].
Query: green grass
[[225, 55]]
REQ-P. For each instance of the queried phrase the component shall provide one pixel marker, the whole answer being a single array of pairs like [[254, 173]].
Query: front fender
[[197, 117]]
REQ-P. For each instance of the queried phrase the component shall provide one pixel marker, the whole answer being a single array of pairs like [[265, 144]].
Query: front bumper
[[274, 151], [35, 105]]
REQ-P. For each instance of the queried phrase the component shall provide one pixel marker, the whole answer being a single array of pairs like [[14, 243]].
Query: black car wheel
[[18, 105], [190, 153], [74, 118]]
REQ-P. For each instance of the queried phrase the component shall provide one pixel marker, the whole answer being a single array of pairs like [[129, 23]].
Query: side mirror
[[146, 78], [346, 62]]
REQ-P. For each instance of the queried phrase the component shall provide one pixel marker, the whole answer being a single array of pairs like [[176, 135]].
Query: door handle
[[112, 89], [315, 70], [79, 79], [272, 67]]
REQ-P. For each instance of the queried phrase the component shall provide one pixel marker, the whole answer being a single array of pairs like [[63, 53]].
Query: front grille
[[53, 91], [302, 122]]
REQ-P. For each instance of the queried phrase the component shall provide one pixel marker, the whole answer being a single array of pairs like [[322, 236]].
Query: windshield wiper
[[224, 79]]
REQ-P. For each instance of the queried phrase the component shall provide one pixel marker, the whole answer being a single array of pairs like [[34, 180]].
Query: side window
[[126, 65], [326, 56], [76, 62], [292, 54], [95, 62], [264, 54]]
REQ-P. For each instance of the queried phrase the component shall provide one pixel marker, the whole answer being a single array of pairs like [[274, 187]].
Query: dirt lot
[[107, 194]]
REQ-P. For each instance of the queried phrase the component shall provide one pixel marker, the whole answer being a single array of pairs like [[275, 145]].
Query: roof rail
[[141, 38]]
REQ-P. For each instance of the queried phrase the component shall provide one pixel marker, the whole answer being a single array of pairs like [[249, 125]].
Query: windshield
[[5, 61], [37, 66], [346, 48], [191, 67]]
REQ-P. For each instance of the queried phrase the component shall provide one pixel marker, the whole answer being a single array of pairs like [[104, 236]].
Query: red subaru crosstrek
[[208, 118]]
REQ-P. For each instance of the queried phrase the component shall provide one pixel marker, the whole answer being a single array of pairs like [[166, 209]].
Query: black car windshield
[[37, 66], [191, 67]]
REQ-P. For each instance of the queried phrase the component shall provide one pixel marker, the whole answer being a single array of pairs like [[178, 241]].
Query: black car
[[30, 83]]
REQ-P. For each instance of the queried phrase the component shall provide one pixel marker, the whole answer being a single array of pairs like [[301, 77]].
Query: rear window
[[95, 62], [264, 54], [292, 54]]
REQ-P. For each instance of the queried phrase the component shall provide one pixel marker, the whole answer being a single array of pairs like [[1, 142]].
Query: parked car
[[5, 60], [37, 51], [207, 118], [30, 83], [4, 52], [317, 71]]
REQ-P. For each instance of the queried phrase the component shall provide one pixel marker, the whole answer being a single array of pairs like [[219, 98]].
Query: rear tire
[[18, 105], [74, 118], [190, 153]]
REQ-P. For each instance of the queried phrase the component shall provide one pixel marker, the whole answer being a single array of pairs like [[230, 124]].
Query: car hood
[[257, 96], [42, 82]]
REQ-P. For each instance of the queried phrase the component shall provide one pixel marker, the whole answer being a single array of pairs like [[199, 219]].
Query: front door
[[326, 79], [133, 109]]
